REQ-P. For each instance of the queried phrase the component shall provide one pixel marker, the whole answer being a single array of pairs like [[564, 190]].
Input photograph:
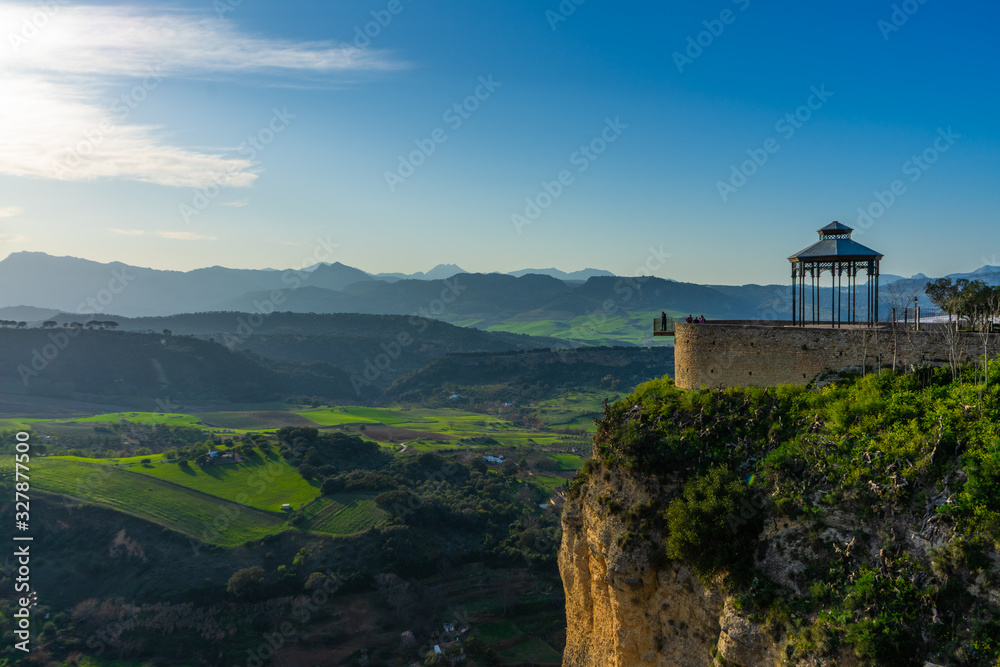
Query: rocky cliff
[[860, 554], [629, 607]]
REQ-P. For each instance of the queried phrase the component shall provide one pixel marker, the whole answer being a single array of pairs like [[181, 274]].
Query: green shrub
[[714, 526]]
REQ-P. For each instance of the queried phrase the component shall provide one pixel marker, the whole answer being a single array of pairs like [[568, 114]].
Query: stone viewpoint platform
[[763, 353]]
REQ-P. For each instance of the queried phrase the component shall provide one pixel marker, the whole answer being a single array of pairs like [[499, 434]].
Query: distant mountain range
[[37, 285], [442, 271]]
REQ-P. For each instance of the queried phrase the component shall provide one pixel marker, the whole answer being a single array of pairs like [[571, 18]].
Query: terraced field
[[198, 515], [343, 514]]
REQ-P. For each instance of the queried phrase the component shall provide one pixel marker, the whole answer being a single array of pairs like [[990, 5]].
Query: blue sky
[[705, 142]]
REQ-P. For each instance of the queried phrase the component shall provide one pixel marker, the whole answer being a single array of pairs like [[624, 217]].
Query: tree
[[48, 324], [315, 580], [508, 468], [331, 485], [247, 583], [962, 299], [396, 591], [984, 304], [898, 297]]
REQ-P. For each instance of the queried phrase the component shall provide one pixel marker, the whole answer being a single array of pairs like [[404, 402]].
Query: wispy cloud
[[174, 236], [236, 204], [10, 211], [59, 121], [185, 236]]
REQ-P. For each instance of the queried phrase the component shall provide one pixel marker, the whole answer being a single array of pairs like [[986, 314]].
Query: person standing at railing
[[663, 320]]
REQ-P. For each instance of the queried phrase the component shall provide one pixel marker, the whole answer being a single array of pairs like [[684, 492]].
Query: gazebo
[[837, 253]]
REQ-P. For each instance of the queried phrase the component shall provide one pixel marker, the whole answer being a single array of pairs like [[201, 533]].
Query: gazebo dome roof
[[835, 228], [835, 244]]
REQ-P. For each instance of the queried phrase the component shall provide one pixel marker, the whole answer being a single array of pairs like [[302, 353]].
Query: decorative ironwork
[[837, 253]]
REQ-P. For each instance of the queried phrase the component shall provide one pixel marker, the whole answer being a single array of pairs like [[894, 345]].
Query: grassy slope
[[262, 483], [198, 515], [189, 501]]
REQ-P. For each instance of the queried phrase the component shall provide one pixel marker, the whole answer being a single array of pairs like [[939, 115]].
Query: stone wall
[[754, 354]]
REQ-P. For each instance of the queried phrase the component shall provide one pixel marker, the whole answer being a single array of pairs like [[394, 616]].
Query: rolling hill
[[533, 375]]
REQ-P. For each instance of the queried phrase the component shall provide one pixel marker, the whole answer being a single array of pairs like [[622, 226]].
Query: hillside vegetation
[[533, 375], [859, 522], [116, 365]]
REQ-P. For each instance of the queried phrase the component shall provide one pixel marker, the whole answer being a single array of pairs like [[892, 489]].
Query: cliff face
[[854, 526], [628, 607], [620, 609]]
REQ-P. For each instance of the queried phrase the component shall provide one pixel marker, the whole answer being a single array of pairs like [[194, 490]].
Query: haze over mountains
[[74, 285]]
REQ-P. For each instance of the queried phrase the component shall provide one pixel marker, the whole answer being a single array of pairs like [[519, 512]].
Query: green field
[[574, 409], [126, 460], [464, 424], [264, 483], [16, 424], [568, 461], [191, 500], [531, 650], [184, 510], [352, 415], [497, 631], [547, 483], [343, 514], [149, 418]]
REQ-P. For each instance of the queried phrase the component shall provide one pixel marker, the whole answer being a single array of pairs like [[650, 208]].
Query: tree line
[[971, 300]]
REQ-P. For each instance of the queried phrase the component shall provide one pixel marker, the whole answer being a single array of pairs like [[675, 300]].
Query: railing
[[663, 326]]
